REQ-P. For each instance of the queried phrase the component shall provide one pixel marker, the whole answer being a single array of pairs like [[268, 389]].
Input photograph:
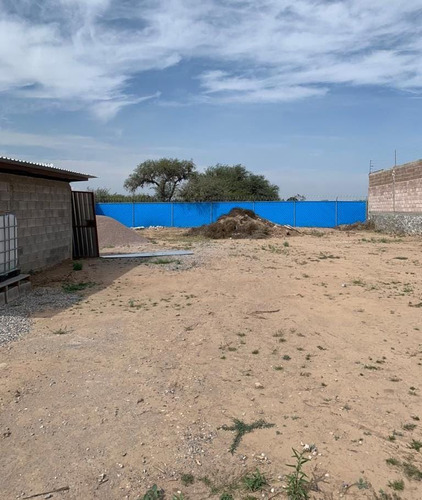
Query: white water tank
[[8, 245]]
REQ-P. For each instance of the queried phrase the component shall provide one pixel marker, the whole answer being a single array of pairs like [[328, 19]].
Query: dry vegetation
[[200, 374]]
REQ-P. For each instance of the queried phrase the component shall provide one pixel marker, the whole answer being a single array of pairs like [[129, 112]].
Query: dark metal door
[[85, 237]]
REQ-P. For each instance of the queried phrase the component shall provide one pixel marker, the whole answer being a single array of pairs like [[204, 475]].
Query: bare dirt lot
[[320, 335]]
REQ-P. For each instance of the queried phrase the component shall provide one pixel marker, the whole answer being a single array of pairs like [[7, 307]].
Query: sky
[[305, 92]]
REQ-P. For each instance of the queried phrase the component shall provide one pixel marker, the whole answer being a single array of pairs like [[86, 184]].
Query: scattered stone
[[15, 318]]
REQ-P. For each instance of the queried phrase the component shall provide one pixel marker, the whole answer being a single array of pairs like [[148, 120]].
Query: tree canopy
[[297, 197], [105, 195], [165, 175], [226, 183]]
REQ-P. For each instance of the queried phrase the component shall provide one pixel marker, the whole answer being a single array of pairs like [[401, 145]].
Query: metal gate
[[85, 237]]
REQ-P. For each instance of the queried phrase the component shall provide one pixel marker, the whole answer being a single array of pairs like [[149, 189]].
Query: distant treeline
[[103, 195], [171, 179]]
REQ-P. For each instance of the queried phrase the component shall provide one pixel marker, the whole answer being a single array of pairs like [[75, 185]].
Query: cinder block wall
[[396, 190], [44, 215]]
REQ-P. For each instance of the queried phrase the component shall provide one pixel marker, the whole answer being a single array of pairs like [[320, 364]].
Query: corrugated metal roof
[[47, 170]]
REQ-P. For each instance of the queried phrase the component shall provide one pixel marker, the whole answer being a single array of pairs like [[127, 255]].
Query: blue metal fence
[[178, 214]]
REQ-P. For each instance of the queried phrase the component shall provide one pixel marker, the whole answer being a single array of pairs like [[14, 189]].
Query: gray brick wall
[[396, 190], [44, 214]]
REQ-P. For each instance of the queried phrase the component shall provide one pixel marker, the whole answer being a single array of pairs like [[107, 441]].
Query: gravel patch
[[15, 318]]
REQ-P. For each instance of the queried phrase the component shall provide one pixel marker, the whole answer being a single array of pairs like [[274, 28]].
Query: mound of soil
[[113, 234], [358, 226], [241, 223]]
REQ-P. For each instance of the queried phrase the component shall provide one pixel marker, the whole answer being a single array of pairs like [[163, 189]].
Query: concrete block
[[2, 298], [25, 287], [12, 294]]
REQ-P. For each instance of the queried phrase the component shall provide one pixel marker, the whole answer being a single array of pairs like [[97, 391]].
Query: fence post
[[336, 212], [294, 213]]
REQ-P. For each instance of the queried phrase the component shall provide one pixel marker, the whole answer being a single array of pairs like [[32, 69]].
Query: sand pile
[[113, 234], [241, 223]]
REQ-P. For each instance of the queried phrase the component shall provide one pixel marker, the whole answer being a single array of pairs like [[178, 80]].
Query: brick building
[[40, 197], [395, 198]]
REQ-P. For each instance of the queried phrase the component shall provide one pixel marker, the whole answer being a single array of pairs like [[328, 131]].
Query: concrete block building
[[395, 198], [39, 196]]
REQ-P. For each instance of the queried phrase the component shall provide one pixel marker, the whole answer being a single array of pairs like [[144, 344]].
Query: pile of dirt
[[357, 226], [113, 234], [241, 223]]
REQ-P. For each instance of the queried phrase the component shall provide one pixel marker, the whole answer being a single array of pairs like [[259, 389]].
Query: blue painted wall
[[300, 214]]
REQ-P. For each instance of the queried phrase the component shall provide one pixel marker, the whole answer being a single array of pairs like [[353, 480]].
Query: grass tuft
[[77, 287], [297, 482], [255, 481], [241, 428]]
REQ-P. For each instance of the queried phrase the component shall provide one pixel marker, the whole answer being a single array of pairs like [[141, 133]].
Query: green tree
[[104, 195], [228, 182], [165, 175], [297, 197]]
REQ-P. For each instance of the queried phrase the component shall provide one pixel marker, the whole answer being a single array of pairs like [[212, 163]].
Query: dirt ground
[[319, 335]]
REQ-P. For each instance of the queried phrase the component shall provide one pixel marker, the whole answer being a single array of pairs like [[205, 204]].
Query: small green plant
[[411, 471], [164, 261], [77, 266], [77, 287], [255, 481], [241, 428], [362, 484], [314, 232], [286, 357], [358, 282], [386, 496], [187, 479], [278, 368], [393, 461], [60, 331], [297, 481], [226, 496], [396, 485], [409, 427], [415, 445], [255, 351], [154, 494], [280, 336], [286, 244], [178, 496]]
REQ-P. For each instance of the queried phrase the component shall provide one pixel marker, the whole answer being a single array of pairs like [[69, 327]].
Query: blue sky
[[306, 92]]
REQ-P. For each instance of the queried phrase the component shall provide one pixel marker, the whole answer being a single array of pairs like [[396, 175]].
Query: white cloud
[[85, 52], [104, 110]]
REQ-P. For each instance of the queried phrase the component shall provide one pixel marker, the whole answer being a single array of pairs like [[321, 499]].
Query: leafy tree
[[104, 195], [101, 194], [165, 174], [226, 182], [297, 197]]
